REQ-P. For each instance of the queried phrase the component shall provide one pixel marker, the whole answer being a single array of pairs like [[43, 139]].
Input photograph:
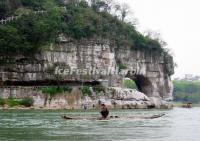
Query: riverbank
[[77, 109], [173, 105]]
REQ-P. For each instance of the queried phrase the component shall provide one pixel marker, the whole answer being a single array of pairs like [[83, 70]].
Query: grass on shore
[[26, 102]]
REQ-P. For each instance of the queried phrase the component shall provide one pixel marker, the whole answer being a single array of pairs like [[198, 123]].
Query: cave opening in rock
[[141, 83]]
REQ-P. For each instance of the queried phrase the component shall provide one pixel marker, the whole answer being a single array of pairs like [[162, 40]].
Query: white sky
[[178, 21]]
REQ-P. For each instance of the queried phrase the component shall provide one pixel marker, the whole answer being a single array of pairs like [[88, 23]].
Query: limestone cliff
[[150, 69]]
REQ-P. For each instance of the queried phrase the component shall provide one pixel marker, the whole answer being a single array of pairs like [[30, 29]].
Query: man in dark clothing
[[104, 112]]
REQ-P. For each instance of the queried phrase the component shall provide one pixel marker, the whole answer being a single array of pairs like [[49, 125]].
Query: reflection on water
[[178, 125]]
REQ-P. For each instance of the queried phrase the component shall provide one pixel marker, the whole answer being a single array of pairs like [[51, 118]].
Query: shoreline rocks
[[114, 98]]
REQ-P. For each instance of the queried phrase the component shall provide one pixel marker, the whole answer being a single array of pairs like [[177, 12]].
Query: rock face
[[151, 70]]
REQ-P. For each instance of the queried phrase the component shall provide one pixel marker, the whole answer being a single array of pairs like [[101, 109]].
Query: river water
[[36, 125]]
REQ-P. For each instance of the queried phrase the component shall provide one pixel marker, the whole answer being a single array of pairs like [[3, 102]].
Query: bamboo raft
[[112, 117]]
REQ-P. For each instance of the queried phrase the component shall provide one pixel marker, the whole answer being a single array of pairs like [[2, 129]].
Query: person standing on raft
[[104, 112]]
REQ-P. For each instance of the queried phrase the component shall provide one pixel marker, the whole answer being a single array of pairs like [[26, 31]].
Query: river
[[38, 125]]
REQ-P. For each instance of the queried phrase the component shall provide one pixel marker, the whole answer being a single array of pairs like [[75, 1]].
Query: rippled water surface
[[28, 125]]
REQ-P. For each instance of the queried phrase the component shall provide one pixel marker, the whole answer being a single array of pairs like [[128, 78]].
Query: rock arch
[[143, 84]]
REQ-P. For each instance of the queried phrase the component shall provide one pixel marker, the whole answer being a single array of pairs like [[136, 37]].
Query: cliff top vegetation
[[37, 23]]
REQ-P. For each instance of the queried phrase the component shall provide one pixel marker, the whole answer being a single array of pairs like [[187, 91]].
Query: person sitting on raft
[[104, 112]]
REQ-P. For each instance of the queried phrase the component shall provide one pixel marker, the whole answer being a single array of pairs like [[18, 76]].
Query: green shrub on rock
[[2, 102], [27, 102], [13, 102], [86, 91]]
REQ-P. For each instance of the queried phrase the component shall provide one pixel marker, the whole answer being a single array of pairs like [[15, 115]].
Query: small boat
[[188, 105], [112, 117]]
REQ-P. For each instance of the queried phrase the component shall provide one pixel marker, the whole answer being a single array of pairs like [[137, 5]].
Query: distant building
[[189, 77]]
